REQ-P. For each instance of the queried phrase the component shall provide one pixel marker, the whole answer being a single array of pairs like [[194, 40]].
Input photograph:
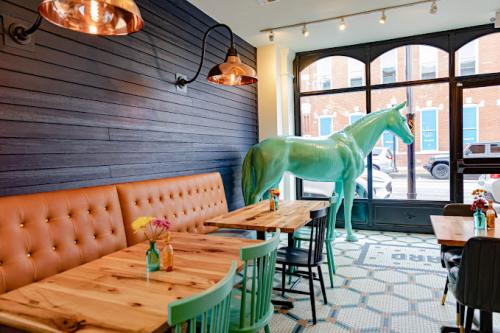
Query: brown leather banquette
[[46, 233]]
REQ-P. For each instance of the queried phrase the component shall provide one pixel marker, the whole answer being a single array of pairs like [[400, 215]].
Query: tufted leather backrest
[[185, 201], [46, 233]]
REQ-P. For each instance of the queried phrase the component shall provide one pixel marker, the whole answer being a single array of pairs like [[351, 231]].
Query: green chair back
[[256, 309], [207, 312]]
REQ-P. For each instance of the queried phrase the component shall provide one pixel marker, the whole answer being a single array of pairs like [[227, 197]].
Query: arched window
[[409, 63], [332, 73], [479, 56]]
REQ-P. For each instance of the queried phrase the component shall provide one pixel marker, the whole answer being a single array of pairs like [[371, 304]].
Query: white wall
[[275, 99]]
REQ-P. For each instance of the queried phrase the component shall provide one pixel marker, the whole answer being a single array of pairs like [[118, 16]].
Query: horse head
[[397, 124]]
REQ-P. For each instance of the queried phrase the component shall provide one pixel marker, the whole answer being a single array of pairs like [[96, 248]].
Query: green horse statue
[[338, 158]]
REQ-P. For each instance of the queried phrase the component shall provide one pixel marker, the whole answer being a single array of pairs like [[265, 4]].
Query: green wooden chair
[[207, 312], [304, 234], [251, 310]]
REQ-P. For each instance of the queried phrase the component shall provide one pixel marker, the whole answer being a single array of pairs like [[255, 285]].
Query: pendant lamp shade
[[98, 17], [232, 72]]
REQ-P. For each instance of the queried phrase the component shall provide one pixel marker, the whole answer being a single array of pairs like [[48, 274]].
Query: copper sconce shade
[[232, 72], [98, 17]]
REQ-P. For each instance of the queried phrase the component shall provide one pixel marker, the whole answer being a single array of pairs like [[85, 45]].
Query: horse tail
[[247, 179]]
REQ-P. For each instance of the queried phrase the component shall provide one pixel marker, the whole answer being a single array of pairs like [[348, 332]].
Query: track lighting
[[342, 25], [341, 18], [383, 18], [271, 36], [305, 32], [434, 8]]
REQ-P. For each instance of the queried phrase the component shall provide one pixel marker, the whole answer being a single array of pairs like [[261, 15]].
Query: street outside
[[428, 187]]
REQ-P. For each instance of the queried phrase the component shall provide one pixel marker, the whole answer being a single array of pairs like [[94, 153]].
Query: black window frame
[[449, 41]]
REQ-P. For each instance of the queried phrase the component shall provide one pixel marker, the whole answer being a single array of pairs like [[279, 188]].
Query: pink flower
[[161, 223]]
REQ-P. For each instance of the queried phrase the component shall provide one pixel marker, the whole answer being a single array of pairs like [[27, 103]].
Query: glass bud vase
[[152, 258], [479, 220]]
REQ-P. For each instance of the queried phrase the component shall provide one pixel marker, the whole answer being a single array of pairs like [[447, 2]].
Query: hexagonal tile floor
[[386, 282]]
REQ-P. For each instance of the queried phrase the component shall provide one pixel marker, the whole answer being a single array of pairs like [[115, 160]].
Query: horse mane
[[366, 118]]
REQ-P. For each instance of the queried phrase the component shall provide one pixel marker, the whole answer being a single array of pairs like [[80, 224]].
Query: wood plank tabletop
[[290, 216], [457, 230], [116, 294]]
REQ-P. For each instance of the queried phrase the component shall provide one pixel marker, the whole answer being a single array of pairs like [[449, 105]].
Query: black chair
[[306, 258], [476, 283], [450, 255]]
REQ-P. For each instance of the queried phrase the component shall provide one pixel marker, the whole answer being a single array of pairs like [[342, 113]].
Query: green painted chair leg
[[331, 261], [267, 329]]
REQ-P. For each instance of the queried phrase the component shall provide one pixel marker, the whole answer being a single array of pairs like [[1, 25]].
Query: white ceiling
[[248, 17]]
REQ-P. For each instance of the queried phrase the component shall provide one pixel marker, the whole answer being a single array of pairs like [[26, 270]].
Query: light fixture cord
[[182, 82]]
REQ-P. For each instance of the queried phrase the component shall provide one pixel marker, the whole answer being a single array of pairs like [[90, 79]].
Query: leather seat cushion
[[186, 201], [452, 258], [46, 233]]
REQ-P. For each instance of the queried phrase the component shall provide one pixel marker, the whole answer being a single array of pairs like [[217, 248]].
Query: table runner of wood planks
[[116, 294], [290, 216]]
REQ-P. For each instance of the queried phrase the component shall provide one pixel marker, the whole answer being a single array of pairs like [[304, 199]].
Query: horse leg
[[339, 195], [265, 178], [349, 189], [335, 201]]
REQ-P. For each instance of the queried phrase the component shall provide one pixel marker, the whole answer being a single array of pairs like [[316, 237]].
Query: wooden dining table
[[116, 294], [290, 216], [457, 230]]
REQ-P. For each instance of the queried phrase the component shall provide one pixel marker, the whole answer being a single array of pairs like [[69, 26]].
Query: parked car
[[491, 183], [438, 166], [382, 186], [482, 149], [382, 159]]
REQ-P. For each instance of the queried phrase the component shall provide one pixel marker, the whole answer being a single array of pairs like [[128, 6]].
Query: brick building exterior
[[321, 115]]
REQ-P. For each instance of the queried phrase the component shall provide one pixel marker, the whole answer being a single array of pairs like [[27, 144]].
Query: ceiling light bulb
[[305, 32], [383, 18], [342, 25], [434, 8], [271, 36]]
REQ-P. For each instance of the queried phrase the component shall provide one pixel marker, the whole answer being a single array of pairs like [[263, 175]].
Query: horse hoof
[[351, 238]]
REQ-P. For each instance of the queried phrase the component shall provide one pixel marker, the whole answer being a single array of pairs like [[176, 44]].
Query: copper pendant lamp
[[232, 72], [98, 17]]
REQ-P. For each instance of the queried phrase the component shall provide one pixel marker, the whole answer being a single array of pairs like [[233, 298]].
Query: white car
[[382, 159], [382, 186], [491, 183]]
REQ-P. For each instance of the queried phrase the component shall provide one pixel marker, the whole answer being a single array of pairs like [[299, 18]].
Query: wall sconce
[[232, 72], [97, 17]]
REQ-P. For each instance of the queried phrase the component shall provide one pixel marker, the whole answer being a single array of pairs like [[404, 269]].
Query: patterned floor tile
[[376, 297]]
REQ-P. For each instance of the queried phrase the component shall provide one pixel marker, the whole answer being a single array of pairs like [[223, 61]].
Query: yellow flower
[[141, 223]]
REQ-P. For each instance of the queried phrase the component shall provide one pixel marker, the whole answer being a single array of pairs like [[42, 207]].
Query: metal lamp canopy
[[97, 17], [232, 72]]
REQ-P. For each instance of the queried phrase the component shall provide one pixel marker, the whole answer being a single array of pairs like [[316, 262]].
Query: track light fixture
[[383, 18], [342, 25], [305, 32], [434, 8]]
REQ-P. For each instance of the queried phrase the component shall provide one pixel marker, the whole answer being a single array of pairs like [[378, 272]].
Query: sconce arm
[[22, 35], [182, 82]]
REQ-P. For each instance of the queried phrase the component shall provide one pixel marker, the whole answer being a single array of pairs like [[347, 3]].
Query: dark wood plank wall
[[83, 110]]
